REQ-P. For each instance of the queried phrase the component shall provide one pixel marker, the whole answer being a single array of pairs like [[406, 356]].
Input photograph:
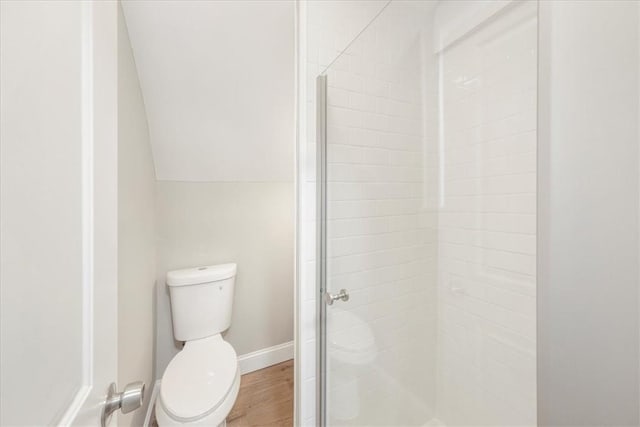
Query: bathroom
[[320, 212]]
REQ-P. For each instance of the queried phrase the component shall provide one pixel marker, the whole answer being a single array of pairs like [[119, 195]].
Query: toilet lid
[[198, 378]]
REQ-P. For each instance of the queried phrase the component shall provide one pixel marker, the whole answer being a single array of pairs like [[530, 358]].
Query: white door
[[58, 210]]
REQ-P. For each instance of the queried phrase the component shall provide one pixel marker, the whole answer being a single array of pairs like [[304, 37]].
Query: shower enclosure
[[426, 198]]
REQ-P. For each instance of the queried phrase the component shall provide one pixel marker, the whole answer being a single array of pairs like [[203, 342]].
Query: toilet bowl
[[201, 383]]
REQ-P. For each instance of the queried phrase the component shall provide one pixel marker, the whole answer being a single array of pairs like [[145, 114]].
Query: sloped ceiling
[[218, 84]]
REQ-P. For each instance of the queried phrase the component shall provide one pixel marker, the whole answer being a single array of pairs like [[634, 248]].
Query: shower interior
[[429, 218]]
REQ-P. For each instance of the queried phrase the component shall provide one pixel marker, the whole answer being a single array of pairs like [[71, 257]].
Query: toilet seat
[[199, 379]]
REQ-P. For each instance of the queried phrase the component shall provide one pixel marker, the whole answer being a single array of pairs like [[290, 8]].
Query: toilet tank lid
[[198, 275]]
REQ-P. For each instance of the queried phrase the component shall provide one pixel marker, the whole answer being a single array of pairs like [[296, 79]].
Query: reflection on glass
[[431, 174]]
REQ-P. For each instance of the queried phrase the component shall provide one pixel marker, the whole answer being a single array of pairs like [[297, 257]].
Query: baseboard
[[266, 357], [152, 403]]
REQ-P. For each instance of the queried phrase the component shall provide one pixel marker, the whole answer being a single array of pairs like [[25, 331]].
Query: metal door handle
[[331, 298], [128, 400]]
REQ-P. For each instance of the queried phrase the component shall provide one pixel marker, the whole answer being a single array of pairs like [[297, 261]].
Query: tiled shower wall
[[381, 230], [326, 29], [487, 224], [401, 182]]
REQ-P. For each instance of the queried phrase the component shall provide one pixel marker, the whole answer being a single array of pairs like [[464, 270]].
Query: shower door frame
[[321, 250]]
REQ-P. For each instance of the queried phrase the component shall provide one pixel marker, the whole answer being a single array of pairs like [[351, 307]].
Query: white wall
[[136, 232], [218, 81], [588, 285], [250, 224]]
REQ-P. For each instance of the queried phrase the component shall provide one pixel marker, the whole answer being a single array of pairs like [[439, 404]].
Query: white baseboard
[[266, 357], [152, 403]]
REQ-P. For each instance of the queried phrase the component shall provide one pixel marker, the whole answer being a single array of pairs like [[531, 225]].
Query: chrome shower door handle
[[128, 400], [330, 298]]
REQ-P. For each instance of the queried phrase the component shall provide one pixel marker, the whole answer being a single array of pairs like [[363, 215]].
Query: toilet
[[201, 383]]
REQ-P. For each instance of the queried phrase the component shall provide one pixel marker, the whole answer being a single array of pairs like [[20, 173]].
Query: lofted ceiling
[[218, 84]]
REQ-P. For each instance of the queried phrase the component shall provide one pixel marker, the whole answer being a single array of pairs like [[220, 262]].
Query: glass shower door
[[427, 218], [378, 235]]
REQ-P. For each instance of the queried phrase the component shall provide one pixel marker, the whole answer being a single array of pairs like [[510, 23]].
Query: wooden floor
[[265, 398]]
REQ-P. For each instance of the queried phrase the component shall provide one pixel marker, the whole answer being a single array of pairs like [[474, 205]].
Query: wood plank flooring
[[265, 398]]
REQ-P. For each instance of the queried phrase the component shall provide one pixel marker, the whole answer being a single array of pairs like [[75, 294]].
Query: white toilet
[[201, 383]]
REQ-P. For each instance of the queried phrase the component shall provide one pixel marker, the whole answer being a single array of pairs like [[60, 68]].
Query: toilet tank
[[201, 300]]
